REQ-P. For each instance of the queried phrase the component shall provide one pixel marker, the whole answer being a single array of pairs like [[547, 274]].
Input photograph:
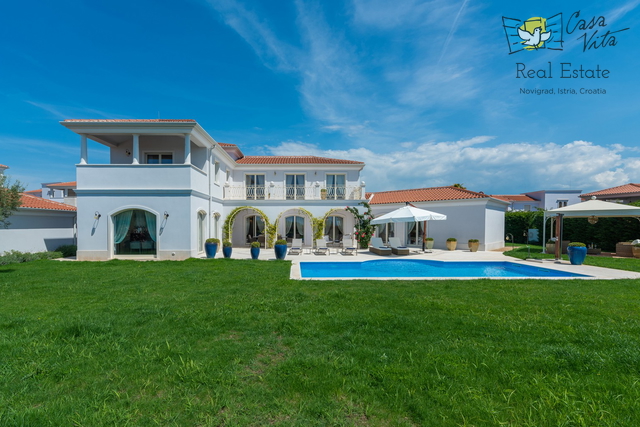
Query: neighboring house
[[470, 215], [169, 186], [63, 192], [39, 225], [626, 194], [3, 168], [542, 199]]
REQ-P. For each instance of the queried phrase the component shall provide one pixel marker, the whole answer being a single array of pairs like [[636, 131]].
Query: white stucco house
[[470, 215], [626, 194], [169, 186], [541, 199], [39, 225]]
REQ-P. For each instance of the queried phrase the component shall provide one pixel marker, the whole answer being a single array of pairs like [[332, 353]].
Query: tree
[[10, 199], [364, 229], [459, 186]]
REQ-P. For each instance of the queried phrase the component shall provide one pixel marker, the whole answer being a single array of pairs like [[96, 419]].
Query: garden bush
[[16, 257], [67, 250]]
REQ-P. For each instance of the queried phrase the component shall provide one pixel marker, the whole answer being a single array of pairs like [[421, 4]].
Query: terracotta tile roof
[[63, 184], [226, 144], [37, 193], [291, 160], [132, 120], [425, 195], [621, 189], [32, 202], [514, 198], [4, 167]]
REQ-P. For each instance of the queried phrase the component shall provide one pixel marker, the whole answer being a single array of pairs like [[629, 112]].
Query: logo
[[534, 33]]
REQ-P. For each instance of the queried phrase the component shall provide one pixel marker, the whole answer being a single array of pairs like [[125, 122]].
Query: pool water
[[426, 268]]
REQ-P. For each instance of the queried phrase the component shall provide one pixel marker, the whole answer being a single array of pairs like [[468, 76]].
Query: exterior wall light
[[96, 215], [166, 215]]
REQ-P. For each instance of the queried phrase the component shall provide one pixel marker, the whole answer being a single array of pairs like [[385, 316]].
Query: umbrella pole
[[424, 236]]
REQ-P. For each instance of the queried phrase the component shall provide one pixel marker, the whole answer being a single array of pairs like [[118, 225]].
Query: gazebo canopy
[[595, 208]]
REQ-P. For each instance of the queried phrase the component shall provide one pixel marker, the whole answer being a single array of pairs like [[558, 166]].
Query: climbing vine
[[228, 223], [364, 229]]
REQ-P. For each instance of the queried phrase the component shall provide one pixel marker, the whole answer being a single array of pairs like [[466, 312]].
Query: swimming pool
[[425, 268]]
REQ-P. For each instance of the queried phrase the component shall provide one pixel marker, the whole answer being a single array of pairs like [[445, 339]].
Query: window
[[216, 171], [254, 227], [336, 186], [385, 231], [134, 233], [228, 175], [414, 233], [334, 228], [562, 203], [527, 208], [254, 187], [294, 227], [159, 158], [295, 187]]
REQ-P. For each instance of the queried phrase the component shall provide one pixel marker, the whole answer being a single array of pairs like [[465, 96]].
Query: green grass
[[234, 342], [535, 252]]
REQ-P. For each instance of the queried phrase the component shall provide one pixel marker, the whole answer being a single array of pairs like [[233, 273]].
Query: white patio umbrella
[[410, 213]]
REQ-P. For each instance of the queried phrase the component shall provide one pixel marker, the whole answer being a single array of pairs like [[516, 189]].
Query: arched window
[[134, 232], [414, 233], [294, 227], [385, 231], [334, 228], [254, 227]]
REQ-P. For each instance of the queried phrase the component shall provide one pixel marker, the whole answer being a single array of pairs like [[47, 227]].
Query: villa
[[626, 194], [169, 186]]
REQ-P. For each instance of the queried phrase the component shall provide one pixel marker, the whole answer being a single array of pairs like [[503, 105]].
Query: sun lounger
[[321, 247], [378, 248], [296, 247], [397, 248], [349, 247]]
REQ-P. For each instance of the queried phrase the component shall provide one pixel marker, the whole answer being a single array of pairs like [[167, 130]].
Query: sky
[[426, 93]]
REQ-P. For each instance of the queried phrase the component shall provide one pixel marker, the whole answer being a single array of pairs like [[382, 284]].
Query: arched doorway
[[254, 229], [134, 232], [334, 228]]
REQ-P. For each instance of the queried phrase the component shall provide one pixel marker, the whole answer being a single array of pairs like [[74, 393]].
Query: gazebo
[[592, 209]]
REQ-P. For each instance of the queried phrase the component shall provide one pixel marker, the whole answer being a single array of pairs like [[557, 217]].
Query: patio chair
[[396, 246], [349, 247], [296, 247], [321, 247], [377, 247]]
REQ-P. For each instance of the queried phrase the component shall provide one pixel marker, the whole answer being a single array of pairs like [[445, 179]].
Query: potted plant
[[255, 250], [577, 252], [323, 193], [281, 248], [429, 242], [636, 250], [474, 244], [452, 242], [211, 247], [227, 248], [551, 246]]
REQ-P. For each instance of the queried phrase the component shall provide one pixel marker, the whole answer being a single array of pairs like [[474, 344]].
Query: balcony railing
[[290, 192]]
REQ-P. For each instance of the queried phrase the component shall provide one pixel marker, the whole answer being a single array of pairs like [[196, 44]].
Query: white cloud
[[504, 168]]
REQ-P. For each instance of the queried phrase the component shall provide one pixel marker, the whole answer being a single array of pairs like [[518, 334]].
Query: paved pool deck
[[440, 255]]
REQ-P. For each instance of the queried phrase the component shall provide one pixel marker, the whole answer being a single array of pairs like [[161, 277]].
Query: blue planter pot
[[210, 249], [226, 251], [281, 251], [255, 252], [577, 254]]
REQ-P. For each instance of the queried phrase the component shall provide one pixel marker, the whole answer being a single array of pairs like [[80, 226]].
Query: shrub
[[255, 244], [226, 243], [281, 242], [213, 240], [429, 239], [578, 244], [67, 250], [474, 241], [452, 239], [17, 257]]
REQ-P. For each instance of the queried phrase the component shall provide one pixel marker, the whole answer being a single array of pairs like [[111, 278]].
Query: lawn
[[235, 343]]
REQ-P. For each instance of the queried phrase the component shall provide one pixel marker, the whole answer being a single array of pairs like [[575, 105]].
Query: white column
[[83, 149], [187, 149], [136, 149]]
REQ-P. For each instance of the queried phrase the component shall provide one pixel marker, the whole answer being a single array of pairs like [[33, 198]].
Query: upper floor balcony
[[273, 191]]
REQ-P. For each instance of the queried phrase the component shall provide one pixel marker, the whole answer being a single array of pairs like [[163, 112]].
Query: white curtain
[[299, 227], [288, 224], [122, 223]]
